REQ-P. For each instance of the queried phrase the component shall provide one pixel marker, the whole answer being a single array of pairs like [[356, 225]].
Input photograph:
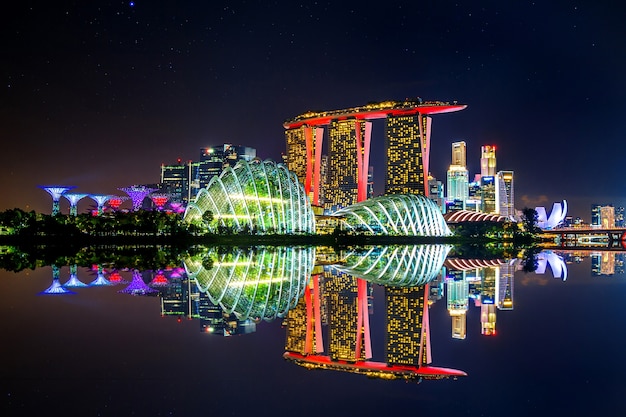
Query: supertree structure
[[100, 280], [159, 280], [74, 198], [100, 200], [116, 201], [56, 287], [137, 193], [56, 191], [159, 200], [177, 207], [137, 286], [74, 281]]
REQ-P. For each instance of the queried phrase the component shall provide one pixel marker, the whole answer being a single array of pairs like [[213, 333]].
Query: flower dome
[[396, 266], [260, 283], [396, 214], [260, 195]]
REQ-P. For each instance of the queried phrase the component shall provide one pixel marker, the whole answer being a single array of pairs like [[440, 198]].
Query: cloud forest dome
[[260, 284], [396, 266], [260, 195], [396, 214]]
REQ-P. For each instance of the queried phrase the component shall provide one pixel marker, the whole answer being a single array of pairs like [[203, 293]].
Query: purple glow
[[137, 193], [137, 286]]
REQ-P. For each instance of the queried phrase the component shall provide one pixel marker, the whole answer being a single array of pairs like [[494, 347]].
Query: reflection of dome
[[261, 283], [402, 266], [262, 196], [557, 215], [396, 214]]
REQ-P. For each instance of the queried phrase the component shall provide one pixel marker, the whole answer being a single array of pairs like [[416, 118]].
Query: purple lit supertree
[[137, 193], [177, 207], [137, 286], [56, 287], [56, 191], [100, 200], [74, 281], [74, 198]]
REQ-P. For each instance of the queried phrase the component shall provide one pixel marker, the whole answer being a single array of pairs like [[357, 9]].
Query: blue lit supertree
[[101, 200], [137, 193], [74, 281], [74, 198], [100, 280], [56, 287], [56, 191]]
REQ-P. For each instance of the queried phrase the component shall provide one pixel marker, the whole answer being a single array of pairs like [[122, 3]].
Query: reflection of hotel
[[348, 348]]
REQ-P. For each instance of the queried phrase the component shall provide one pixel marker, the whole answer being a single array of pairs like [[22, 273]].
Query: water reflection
[[256, 283], [326, 298]]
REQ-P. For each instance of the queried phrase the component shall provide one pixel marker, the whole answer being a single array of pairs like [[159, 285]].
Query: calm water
[[557, 350]]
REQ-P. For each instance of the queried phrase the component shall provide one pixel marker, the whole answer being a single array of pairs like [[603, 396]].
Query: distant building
[[458, 185], [215, 158], [602, 215], [488, 194], [175, 181], [488, 161], [505, 204]]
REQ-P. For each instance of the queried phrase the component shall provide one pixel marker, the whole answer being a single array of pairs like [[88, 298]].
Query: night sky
[[98, 94]]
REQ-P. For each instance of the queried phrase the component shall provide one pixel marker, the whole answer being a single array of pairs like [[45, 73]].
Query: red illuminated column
[[319, 340], [363, 321], [362, 158], [319, 135], [425, 123], [308, 141]]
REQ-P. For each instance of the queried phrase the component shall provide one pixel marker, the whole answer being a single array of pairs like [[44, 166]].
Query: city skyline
[[112, 91]]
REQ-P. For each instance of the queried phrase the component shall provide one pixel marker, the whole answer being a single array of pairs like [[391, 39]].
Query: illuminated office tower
[[488, 195], [304, 157], [215, 158], [488, 161], [504, 287], [488, 319], [603, 263], [100, 200], [457, 294], [488, 278], [349, 146], [137, 194], [74, 198], [619, 217], [407, 340], [436, 192], [175, 181], [408, 148], [349, 332], [607, 216], [458, 183], [505, 197], [459, 154], [55, 192]]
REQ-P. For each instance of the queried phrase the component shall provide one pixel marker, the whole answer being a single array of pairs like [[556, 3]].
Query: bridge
[[589, 236]]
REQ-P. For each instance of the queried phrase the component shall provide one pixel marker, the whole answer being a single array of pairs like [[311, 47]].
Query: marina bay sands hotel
[[339, 177]]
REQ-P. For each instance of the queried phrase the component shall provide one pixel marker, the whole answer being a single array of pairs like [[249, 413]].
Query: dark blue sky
[[99, 94]]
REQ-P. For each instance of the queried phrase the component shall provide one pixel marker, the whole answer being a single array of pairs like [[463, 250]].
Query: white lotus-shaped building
[[557, 215], [260, 195], [396, 214]]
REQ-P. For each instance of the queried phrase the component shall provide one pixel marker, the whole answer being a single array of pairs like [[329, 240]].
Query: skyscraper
[[215, 158], [505, 197], [175, 181], [459, 154], [458, 183], [488, 161], [348, 162], [408, 147]]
